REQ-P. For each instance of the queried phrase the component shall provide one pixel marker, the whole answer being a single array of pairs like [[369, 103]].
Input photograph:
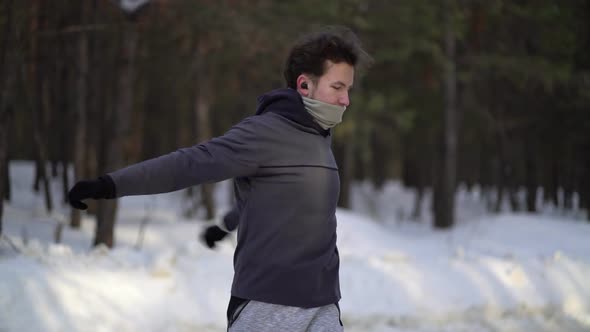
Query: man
[[286, 186]]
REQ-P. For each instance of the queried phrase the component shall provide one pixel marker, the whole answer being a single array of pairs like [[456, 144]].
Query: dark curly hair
[[309, 54]]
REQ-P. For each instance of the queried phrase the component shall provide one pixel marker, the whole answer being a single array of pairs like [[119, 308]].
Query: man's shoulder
[[260, 121], [263, 126]]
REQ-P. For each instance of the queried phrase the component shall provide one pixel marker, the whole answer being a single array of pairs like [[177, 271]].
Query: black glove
[[213, 234], [103, 187]]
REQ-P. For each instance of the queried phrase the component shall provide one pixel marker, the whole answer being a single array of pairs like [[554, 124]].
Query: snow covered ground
[[507, 272]]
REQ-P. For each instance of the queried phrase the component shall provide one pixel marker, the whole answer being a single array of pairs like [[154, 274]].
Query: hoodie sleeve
[[232, 155]]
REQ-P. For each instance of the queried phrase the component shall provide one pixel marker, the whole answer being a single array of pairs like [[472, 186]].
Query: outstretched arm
[[231, 155]]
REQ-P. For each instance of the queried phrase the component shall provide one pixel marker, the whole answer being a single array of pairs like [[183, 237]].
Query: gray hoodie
[[286, 187]]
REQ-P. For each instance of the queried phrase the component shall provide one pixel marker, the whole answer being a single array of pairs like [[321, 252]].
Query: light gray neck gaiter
[[326, 115]]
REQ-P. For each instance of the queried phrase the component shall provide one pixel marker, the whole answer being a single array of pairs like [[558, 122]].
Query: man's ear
[[303, 85]]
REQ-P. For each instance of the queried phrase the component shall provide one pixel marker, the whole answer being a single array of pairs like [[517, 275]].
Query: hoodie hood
[[288, 103]]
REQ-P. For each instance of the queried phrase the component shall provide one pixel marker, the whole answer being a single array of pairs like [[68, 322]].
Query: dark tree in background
[[6, 87], [117, 126], [444, 188], [37, 85], [80, 121]]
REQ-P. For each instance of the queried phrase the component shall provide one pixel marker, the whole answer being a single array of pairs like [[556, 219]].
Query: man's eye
[[337, 87]]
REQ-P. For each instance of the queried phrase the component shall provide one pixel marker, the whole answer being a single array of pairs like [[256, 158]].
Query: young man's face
[[333, 87]]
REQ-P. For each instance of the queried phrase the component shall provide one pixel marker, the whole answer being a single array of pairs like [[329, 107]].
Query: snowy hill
[[508, 272]]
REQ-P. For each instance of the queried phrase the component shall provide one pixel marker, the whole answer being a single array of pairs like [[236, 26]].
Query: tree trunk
[[54, 164], [500, 180], [346, 171], [584, 192], [379, 158], [513, 199], [119, 125], [38, 86], [485, 175], [445, 212], [419, 197], [202, 117], [552, 184], [511, 177], [64, 123], [4, 179], [208, 201], [530, 176], [413, 177], [6, 174], [30, 77], [79, 124], [99, 99], [65, 180], [43, 141], [6, 76], [499, 197], [105, 222], [569, 176]]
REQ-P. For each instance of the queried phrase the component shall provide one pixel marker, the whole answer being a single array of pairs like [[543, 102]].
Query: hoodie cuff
[[221, 224], [110, 189]]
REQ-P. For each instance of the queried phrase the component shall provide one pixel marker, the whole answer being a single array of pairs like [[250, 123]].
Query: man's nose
[[344, 100]]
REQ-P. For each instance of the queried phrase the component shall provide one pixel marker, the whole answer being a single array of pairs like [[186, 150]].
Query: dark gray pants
[[246, 315]]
